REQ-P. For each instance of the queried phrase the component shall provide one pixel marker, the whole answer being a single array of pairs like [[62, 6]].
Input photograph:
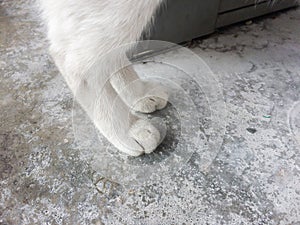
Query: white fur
[[85, 41]]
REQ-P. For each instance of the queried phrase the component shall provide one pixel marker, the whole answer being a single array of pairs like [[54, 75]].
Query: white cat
[[81, 33]]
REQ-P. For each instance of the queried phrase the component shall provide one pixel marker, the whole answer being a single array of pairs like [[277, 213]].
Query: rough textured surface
[[46, 177]]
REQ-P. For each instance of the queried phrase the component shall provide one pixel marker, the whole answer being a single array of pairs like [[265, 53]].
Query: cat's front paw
[[143, 138], [155, 98], [149, 104]]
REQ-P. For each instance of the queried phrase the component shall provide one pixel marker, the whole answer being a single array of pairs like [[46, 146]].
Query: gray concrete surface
[[47, 175]]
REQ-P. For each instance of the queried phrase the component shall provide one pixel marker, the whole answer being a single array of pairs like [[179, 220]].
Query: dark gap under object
[[179, 21]]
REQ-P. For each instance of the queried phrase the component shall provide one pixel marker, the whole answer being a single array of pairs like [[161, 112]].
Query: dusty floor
[[47, 176]]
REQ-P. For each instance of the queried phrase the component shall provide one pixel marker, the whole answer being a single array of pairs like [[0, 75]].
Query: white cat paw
[[155, 99], [149, 104], [145, 137]]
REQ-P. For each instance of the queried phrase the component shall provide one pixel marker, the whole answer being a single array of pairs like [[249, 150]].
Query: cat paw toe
[[145, 135]]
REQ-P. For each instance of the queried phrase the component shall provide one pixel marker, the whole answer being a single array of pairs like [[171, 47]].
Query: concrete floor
[[50, 174]]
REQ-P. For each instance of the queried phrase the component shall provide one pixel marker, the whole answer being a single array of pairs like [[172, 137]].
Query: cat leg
[[113, 118], [128, 133], [141, 96], [81, 36], [94, 92]]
